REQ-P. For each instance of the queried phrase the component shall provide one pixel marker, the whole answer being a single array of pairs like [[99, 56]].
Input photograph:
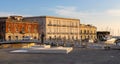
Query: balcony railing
[[61, 25]]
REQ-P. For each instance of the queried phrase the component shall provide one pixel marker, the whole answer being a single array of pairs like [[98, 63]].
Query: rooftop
[[88, 25], [52, 17]]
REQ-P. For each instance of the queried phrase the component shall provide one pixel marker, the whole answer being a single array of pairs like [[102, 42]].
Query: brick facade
[[14, 27]]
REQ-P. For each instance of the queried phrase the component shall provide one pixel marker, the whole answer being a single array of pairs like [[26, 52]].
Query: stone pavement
[[77, 56]]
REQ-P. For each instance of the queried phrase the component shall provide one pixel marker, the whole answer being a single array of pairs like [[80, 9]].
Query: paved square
[[77, 56]]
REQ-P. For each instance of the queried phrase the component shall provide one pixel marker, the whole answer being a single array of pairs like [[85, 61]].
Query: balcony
[[49, 24]]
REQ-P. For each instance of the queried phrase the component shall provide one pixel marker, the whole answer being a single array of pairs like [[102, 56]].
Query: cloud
[[68, 11], [101, 19], [84, 16], [114, 12], [74, 12], [4, 14]]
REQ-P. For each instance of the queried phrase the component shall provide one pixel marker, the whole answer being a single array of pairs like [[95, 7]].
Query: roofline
[[103, 31], [3, 17], [51, 17], [6, 17], [87, 25]]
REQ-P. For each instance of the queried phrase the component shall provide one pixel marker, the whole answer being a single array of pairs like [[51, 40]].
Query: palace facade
[[87, 32], [53, 28], [67, 28], [57, 27]]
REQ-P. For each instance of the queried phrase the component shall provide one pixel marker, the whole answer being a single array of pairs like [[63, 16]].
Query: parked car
[[27, 38]]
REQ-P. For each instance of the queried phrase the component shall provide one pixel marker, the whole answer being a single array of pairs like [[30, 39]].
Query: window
[[23, 36], [76, 38], [59, 37], [88, 37], [16, 28], [35, 37], [29, 27], [72, 37], [50, 38], [23, 30], [35, 29], [81, 37], [16, 37], [91, 32], [85, 37], [72, 24], [76, 23], [80, 31], [9, 28], [88, 31], [49, 21], [55, 36], [9, 38], [94, 31], [84, 31]]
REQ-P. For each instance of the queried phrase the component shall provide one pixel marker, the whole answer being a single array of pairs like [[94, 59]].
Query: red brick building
[[16, 28]]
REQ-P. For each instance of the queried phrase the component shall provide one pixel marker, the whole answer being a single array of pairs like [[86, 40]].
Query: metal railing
[[20, 41]]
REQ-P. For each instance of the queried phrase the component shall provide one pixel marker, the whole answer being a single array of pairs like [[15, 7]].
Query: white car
[[27, 38], [112, 46]]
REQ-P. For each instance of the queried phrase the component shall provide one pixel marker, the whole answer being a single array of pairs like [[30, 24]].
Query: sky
[[104, 14]]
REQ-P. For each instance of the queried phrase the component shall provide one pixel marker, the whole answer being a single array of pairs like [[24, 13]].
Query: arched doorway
[[9, 38]]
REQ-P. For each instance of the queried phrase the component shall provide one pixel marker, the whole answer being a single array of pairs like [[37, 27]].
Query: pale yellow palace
[[67, 28], [87, 32], [57, 27]]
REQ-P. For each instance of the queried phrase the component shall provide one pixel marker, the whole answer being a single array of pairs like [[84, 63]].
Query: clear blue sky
[[104, 14]]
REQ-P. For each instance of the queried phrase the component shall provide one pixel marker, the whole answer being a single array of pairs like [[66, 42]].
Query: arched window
[[73, 37], [81, 38], [35, 37], [16, 28], [9, 38], [49, 21], [55, 36], [9, 28], [35, 29], [50, 38], [23, 36], [88, 31], [80, 31], [84, 31], [29, 28], [76, 38], [16, 37]]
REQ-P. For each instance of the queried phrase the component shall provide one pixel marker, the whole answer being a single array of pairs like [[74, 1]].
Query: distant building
[[87, 32], [57, 27], [102, 35], [16, 28]]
